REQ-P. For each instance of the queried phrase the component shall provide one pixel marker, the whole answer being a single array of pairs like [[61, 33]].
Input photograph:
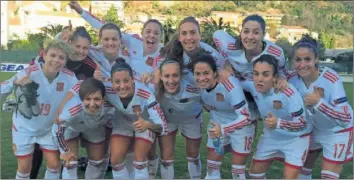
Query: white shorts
[[95, 136], [23, 145], [124, 128], [240, 140], [191, 129], [293, 150], [337, 147]]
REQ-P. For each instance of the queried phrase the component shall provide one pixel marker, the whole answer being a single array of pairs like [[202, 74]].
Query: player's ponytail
[[121, 65], [80, 32]]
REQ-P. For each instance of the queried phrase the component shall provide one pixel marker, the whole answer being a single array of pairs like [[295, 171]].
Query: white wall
[[4, 23]]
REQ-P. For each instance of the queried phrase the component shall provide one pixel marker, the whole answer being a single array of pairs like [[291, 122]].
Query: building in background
[[101, 7], [294, 33], [4, 23]]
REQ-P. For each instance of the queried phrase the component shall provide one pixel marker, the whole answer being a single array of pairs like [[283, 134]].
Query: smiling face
[[54, 60], [252, 35], [151, 37], [189, 36], [93, 102], [263, 77], [204, 75], [110, 41], [305, 61], [171, 77], [123, 83], [81, 46]]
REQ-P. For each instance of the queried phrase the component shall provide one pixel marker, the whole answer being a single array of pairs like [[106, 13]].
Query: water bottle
[[218, 143]]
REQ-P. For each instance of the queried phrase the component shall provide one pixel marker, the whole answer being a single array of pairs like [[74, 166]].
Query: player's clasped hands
[[271, 121], [67, 157]]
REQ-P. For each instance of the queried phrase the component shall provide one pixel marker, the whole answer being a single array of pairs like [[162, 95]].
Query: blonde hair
[[58, 44]]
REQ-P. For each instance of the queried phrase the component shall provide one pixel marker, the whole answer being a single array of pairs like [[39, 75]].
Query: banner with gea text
[[12, 67]]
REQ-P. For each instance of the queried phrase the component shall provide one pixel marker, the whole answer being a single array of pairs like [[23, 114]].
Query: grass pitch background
[[9, 162]]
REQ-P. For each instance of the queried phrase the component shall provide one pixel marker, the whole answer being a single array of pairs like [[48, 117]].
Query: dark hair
[[269, 59], [254, 17], [80, 32], [90, 86], [121, 65], [156, 22], [204, 58], [161, 88], [307, 42], [174, 49], [110, 26]]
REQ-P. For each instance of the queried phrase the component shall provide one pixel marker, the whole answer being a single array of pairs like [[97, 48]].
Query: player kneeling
[[286, 132], [229, 117], [32, 124], [83, 118]]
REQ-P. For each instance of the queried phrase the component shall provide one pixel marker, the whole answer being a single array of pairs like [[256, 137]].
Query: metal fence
[[341, 68], [22, 57]]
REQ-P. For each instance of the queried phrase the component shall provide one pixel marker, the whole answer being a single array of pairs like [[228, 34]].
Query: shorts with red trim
[[191, 129], [95, 135], [23, 144], [240, 140], [337, 146], [293, 150]]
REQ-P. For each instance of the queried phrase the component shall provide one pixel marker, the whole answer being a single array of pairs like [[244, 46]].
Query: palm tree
[[51, 30]]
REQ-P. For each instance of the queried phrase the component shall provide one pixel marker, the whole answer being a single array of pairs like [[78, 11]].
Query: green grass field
[[9, 164]]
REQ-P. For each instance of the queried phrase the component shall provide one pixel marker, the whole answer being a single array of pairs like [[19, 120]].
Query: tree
[[273, 30], [286, 46], [51, 30], [37, 38], [209, 26], [112, 16], [169, 28], [93, 34]]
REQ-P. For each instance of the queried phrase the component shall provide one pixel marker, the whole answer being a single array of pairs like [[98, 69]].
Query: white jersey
[[75, 118], [227, 105], [143, 101], [184, 105], [332, 113], [139, 62], [49, 96], [287, 106], [237, 57]]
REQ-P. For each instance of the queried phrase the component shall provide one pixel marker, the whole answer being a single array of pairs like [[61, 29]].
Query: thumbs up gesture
[[140, 125], [312, 99], [97, 74], [271, 121]]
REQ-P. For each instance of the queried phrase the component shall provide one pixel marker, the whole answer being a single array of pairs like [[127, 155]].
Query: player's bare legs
[[153, 160], [213, 165], [259, 169], [306, 170], [194, 163], [53, 163], [95, 153], [141, 149], [167, 148], [24, 166], [70, 172], [119, 148]]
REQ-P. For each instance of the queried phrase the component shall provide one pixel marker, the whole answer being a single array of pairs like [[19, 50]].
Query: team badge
[[277, 105], [60, 86], [149, 61], [220, 97]]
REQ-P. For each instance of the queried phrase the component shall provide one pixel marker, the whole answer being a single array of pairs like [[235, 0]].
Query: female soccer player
[[328, 109], [138, 116], [53, 81], [180, 102], [286, 132], [228, 114], [246, 49], [83, 117]]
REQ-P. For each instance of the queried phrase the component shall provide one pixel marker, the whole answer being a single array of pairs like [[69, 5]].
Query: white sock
[[257, 176], [152, 167], [104, 167], [305, 173], [119, 171], [238, 171], [166, 169], [213, 170], [22, 175], [70, 172], [194, 167], [140, 170], [329, 175], [93, 170], [129, 158], [51, 174]]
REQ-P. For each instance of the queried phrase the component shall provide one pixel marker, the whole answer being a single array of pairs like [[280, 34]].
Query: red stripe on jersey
[[67, 71], [292, 75], [229, 86], [293, 125], [330, 76], [109, 90], [218, 46], [136, 36], [74, 110], [61, 139], [237, 126], [274, 51], [144, 94], [159, 111], [231, 46], [345, 117], [90, 62], [192, 89], [288, 92], [103, 22], [156, 61], [76, 87]]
